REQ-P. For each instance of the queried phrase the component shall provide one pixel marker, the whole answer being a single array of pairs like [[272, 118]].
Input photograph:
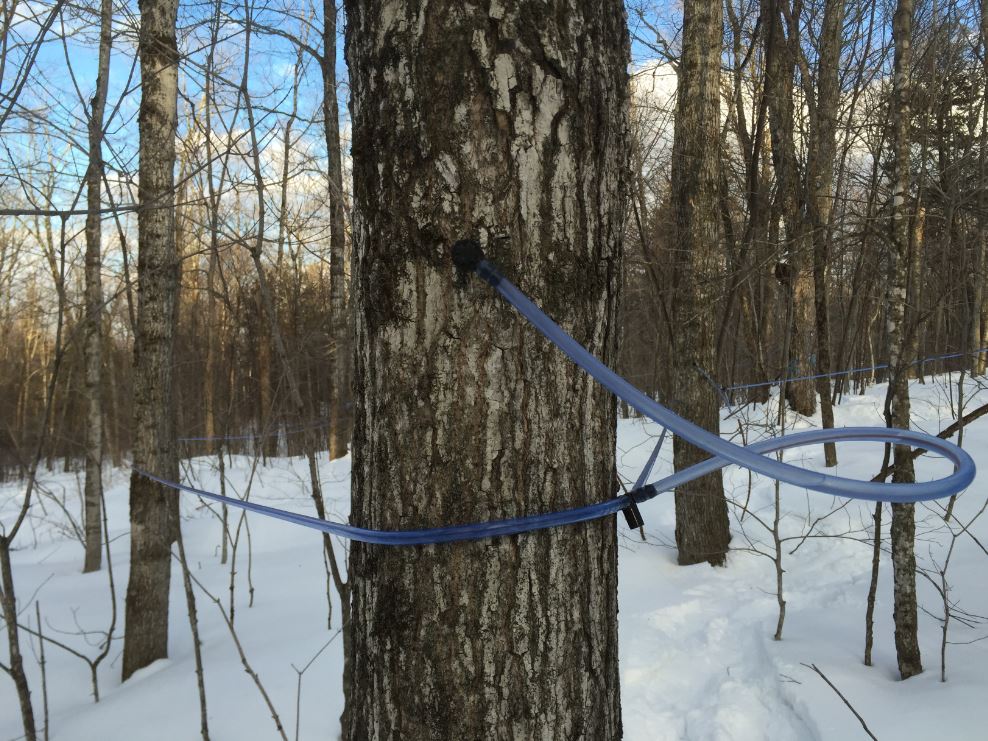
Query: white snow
[[697, 656]]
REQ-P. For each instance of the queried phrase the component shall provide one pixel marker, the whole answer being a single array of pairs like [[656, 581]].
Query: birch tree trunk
[[341, 419], [702, 529], [506, 124], [153, 508], [94, 303], [903, 530]]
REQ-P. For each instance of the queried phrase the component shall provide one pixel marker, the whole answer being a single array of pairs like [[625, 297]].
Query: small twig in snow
[[841, 696]]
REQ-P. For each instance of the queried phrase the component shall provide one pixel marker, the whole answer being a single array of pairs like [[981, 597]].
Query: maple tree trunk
[[93, 351], [341, 419], [509, 126], [702, 528], [153, 507]]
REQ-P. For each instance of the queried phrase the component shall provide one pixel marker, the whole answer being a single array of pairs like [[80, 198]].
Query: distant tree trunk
[[214, 271], [917, 244], [153, 508], [266, 294], [94, 303], [796, 275], [755, 297], [341, 419], [903, 530], [702, 529], [764, 297], [866, 266], [266, 417], [979, 320], [509, 125], [822, 154], [209, 379]]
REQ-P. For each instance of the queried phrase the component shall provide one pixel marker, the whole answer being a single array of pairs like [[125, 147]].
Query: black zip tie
[[632, 514]]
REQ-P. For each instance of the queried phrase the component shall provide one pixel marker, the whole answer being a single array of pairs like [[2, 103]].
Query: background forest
[[253, 171]]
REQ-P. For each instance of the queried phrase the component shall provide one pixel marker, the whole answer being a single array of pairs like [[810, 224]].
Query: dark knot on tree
[[783, 273]]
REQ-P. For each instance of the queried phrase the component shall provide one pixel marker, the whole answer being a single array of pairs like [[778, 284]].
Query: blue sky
[[66, 74]]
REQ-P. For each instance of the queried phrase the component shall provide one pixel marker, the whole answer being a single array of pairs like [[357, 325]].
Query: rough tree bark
[[702, 529], [506, 124], [903, 529], [154, 508], [93, 492], [340, 417]]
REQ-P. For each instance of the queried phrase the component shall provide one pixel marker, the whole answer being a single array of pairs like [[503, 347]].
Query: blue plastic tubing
[[724, 453]]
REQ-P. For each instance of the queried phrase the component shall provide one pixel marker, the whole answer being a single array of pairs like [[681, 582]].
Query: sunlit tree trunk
[[341, 419], [903, 530], [94, 302], [505, 123], [702, 529], [822, 156], [796, 274], [154, 508]]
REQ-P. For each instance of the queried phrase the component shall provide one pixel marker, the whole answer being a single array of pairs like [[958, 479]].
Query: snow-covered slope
[[697, 656]]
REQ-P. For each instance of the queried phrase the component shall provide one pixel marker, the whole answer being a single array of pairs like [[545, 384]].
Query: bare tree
[[310, 445], [979, 308], [903, 532], [820, 180], [794, 272], [702, 528], [341, 419], [94, 299], [153, 507]]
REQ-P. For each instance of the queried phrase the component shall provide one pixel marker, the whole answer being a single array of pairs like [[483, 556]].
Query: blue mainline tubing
[[257, 435], [316, 425], [880, 366], [753, 457], [721, 390]]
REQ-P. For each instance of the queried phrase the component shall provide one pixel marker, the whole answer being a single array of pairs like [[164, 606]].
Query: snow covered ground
[[697, 656]]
